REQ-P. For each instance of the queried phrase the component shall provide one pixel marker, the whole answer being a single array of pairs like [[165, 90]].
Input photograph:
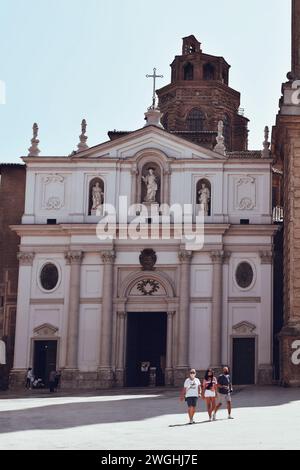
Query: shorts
[[191, 401], [209, 394], [223, 399]]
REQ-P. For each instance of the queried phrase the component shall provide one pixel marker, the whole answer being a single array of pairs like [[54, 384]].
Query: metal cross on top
[[154, 76]]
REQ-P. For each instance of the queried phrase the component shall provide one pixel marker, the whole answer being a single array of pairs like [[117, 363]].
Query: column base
[[289, 358], [180, 374], [120, 378], [265, 374], [169, 377], [76, 379], [17, 379], [69, 379], [105, 378]]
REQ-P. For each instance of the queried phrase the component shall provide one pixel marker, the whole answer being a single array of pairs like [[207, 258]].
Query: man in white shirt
[[190, 393], [29, 378]]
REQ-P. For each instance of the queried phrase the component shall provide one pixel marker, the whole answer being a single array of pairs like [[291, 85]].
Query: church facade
[[129, 311]]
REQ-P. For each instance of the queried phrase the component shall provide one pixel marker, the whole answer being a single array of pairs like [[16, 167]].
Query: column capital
[[25, 259], [122, 315], [74, 257], [185, 256], [217, 257], [226, 257], [134, 169], [108, 257], [171, 314], [266, 257]]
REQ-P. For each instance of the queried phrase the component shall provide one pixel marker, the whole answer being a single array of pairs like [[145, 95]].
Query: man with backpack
[[224, 392]]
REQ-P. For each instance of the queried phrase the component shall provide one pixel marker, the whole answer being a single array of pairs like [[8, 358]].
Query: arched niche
[[151, 183], [188, 71], [96, 196], [142, 161], [195, 120], [209, 72], [203, 195]]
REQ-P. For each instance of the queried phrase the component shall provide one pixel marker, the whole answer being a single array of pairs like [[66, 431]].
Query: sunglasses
[[192, 373]]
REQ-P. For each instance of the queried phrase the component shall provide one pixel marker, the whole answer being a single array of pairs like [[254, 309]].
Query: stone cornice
[[104, 148], [197, 84], [66, 229], [250, 230]]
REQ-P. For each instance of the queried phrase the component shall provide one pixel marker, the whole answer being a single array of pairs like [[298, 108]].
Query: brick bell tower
[[199, 96], [286, 151]]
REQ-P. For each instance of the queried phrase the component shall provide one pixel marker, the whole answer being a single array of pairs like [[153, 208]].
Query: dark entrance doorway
[[243, 370], [146, 343], [44, 359]]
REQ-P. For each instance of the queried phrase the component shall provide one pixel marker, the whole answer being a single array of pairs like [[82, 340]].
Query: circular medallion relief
[[244, 275], [49, 276]]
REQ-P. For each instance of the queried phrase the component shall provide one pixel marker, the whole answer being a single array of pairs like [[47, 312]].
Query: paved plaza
[[265, 418]]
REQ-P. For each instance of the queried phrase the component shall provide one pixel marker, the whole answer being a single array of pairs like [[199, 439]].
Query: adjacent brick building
[[12, 196]]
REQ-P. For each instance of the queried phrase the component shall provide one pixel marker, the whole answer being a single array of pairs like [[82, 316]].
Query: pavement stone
[[132, 419]]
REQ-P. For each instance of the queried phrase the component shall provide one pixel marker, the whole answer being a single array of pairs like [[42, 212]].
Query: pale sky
[[65, 60]]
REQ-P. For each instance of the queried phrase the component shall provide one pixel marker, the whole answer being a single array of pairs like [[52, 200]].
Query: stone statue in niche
[[204, 198], [151, 182], [97, 198]]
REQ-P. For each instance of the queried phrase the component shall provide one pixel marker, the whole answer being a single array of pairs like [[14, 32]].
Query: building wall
[[99, 280], [252, 306], [12, 196]]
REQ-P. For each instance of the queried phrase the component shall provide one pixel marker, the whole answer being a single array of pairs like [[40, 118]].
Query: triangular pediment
[[244, 327], [46, 330], [127, 146]]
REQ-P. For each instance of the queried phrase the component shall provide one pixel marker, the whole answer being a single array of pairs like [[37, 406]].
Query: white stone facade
[[98, 282]]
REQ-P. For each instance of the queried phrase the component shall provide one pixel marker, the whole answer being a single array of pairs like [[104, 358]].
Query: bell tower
[[199, 96], [286, 150]]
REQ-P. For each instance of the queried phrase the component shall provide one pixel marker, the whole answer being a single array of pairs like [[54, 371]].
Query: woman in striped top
[[209, 387]]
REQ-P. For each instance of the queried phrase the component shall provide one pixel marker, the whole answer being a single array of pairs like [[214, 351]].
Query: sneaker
[[215, 417], [230, 417], [210, 418]]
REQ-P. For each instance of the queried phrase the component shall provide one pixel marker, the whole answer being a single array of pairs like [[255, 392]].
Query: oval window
[[49, 276], [244, 275]]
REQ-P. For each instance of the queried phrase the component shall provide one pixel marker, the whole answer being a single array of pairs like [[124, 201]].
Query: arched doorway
[[146, 330], [146, 349]]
